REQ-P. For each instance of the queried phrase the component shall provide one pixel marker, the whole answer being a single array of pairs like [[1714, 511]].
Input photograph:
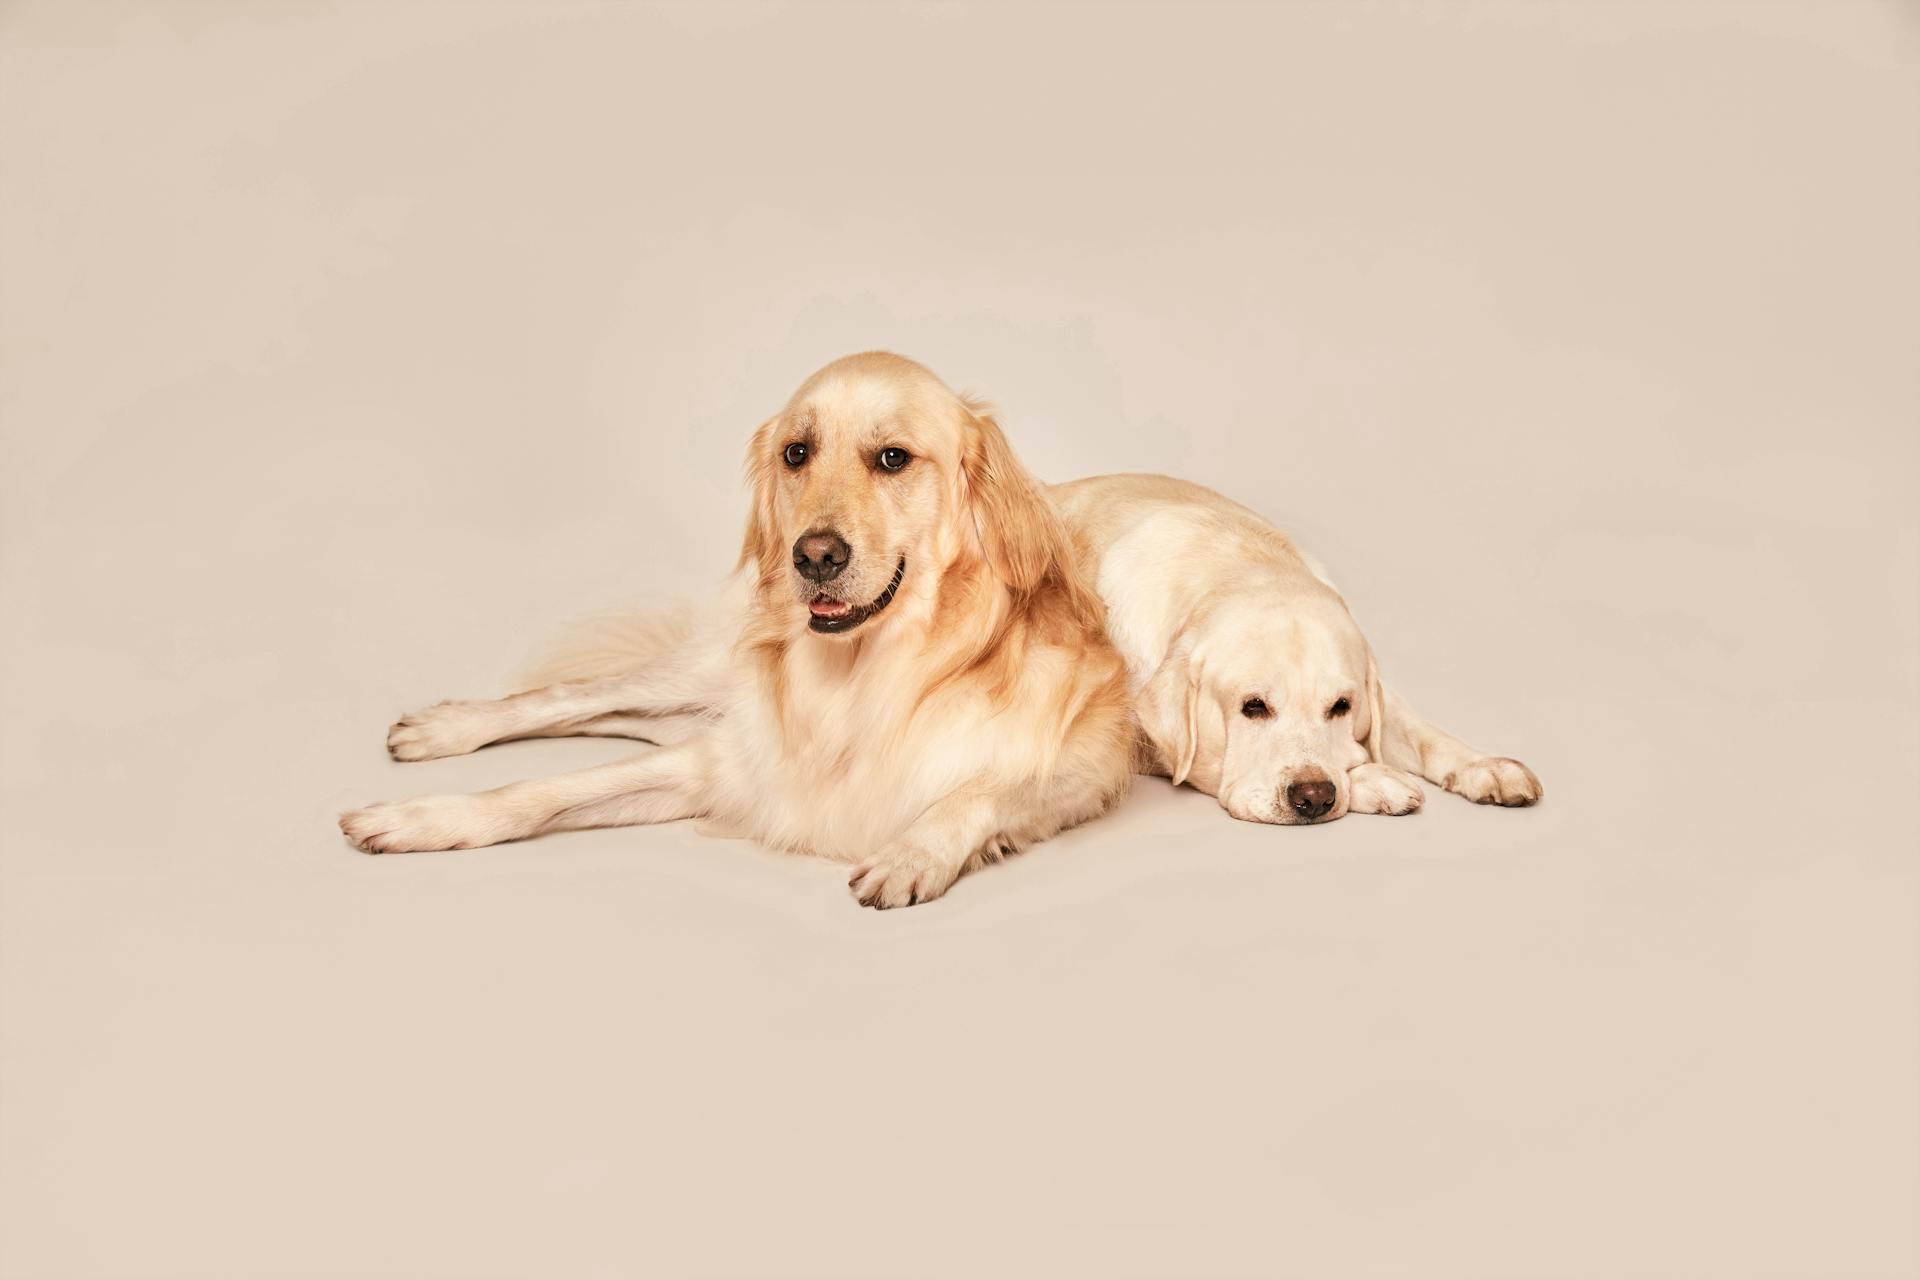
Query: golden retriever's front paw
[[901, 878], [1377, 788], [1495, 780], [448, 729], [418, 826]]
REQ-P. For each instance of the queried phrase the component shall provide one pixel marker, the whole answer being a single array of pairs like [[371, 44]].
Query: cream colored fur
[[1218, 616]]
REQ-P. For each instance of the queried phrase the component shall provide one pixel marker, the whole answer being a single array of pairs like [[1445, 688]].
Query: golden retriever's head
[[874, 473], [1268, 706]]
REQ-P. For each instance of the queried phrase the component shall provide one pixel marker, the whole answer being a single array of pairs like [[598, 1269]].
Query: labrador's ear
[[760, 545], [1023, 539], [1169, 711], [1376, 739]]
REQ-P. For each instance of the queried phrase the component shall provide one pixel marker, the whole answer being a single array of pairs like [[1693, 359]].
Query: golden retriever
[[1253, 681], [908, 672]]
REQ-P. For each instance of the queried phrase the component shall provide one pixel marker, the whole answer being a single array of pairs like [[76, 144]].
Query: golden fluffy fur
[[933, 692]]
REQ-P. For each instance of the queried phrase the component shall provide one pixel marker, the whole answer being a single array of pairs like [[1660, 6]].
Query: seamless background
[[346, 349]]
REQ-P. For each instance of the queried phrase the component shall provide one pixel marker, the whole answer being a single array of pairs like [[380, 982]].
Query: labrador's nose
[[820, 556], [1310, 799]]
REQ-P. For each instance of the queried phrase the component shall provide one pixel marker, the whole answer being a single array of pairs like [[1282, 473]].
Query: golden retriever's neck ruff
[[956, 625], [966, 684]]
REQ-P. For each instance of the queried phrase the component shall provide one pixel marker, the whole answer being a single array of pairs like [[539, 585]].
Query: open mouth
[[831, 616]]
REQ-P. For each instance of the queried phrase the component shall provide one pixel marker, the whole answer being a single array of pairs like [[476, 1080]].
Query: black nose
[[820, 556], [1310, 799]]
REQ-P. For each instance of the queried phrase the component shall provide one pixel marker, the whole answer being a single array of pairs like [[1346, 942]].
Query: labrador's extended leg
[[1417, 746], [657, 787], [558, 710]]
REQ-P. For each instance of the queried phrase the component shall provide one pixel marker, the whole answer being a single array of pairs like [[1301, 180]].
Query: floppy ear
[[1018, 530], [760, 546], [1169, 711], [1376, 712]]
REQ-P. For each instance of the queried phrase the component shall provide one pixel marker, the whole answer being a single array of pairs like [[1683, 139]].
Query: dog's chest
[[842, 768]]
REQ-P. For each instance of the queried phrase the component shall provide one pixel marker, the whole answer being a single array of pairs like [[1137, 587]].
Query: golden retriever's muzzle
[[819, 557], [830, 616]]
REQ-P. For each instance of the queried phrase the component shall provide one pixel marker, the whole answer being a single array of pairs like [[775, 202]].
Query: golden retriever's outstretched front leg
[[977, 826], [1417, 746], [604, 707], [922, 862], [657, 787]]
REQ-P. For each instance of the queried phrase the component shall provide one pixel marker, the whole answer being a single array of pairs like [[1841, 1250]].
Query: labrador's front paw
[[418, 826], [1495, 780], [903, 877], [446, 729], [1377, 788]]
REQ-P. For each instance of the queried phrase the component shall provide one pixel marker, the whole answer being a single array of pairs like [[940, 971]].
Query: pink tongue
[[821, 607]]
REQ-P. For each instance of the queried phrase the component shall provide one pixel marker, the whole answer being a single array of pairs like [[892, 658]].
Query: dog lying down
[[1252, 680], [907, 672]]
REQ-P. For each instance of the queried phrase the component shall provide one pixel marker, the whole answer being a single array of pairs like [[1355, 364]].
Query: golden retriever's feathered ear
[[760, 546], [1376, 713], [1169, 711], [1022, 537]]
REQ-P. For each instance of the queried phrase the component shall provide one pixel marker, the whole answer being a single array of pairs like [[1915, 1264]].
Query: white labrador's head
[[1266, 701]]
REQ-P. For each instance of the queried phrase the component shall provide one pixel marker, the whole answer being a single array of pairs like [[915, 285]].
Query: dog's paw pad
[[904, 879], [417, 826], [1378, 789], [433, 733], [369, 829], [998, 848], [1495, 780]]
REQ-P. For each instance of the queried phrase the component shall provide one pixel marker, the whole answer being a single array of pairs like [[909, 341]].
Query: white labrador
[[1252, 680]]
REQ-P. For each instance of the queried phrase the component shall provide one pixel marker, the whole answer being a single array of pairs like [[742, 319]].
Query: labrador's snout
[[1310, 798], [820, 556]]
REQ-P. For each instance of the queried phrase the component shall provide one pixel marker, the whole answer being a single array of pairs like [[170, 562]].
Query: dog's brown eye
[[1340, 707], [892, 459], [1254, 709], [796, 454]]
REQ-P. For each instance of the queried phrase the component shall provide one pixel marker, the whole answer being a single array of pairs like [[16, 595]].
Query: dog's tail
[[612, 644]]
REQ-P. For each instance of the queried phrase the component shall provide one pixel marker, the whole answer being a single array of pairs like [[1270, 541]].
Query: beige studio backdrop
[[347, 349]]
